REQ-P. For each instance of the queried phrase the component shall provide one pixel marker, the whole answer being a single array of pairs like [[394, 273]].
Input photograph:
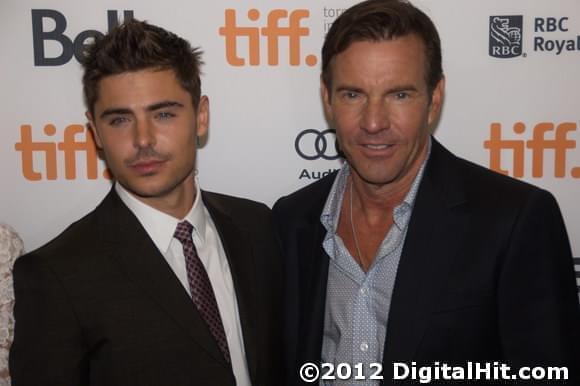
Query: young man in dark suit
[[409, 253], [163, 283]]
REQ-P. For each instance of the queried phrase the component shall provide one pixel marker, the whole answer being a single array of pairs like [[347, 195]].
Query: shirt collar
[[402, 213], [331, 211], [160, 226]]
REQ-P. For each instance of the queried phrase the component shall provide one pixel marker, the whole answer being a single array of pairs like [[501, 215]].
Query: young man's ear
[[202, 118], [93, 128]]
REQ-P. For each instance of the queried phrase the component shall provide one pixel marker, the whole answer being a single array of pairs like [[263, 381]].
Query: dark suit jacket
[[486, 273], [99, 305]]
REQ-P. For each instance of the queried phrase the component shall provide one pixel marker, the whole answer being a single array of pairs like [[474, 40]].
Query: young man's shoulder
[[229, 203], [71, 247]]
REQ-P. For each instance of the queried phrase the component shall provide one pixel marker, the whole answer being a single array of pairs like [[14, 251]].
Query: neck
[[374, 200], [176, 203]]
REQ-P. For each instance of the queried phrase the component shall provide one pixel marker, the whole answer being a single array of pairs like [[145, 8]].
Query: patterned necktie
[[200, 287]]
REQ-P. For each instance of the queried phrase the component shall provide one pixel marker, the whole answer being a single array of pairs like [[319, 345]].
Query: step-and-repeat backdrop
[[512, 103]]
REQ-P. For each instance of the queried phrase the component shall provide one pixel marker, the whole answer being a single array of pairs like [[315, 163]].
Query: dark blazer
[[486, 273], [99, 305]]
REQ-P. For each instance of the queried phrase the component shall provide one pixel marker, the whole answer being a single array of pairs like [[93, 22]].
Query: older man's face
[[381, 108]]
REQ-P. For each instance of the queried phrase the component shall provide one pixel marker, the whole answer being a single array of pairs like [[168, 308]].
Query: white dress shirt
[[160, 227]]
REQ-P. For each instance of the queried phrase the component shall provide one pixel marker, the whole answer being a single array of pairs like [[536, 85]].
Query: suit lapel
[[433, 235], [313, 265], [131, 248], [242, 266]]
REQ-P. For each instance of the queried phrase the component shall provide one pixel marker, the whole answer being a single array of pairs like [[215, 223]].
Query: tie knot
[[183, 232]]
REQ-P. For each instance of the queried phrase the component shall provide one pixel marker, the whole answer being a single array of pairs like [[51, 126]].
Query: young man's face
[[146, 125], [381, 109]]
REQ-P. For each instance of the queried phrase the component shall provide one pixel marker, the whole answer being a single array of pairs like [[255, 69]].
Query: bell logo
[[559, 143], [273, 31], [71, 145], [69, 46]]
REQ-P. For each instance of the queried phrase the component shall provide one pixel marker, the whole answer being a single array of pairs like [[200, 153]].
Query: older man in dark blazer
[[163, 283], [410, 256]]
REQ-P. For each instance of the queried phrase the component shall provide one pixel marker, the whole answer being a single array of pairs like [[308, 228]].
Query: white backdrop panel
[[257, 111]]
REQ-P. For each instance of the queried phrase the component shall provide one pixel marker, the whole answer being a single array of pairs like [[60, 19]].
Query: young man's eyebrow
[[153, 107], [164, 104], [115, 110]]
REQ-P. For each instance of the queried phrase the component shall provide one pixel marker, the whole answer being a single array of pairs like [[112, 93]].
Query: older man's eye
[[350, 96], [401, 95]]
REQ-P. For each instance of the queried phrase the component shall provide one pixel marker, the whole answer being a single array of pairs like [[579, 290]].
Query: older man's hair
[[381, 20]]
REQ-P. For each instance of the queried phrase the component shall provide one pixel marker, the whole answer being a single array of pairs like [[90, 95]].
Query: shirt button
[[364, 347], [364, 290]]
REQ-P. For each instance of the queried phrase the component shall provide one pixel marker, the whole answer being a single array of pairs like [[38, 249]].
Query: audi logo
[[312, 144]]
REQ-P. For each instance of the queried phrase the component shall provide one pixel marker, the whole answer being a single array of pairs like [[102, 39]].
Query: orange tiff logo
[[272, 32], [77, 139], [545, 136]]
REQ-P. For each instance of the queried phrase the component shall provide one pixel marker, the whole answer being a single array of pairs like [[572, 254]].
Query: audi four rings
[[313, 144]]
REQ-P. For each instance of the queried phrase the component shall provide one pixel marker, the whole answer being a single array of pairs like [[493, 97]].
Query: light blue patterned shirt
[[357, 303]]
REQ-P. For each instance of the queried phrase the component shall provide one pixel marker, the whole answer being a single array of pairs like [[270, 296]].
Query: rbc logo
[[505, 36]]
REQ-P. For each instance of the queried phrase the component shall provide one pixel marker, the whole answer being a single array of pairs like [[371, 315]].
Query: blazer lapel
[[312, 276], [313, 268], [130, 246], [432, 238], [242, 265]]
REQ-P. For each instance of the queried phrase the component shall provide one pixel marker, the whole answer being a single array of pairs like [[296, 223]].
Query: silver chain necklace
[[359, 257]]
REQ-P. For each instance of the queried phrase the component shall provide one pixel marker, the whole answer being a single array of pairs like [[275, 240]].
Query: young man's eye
[[164, 115], [116, 121]]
